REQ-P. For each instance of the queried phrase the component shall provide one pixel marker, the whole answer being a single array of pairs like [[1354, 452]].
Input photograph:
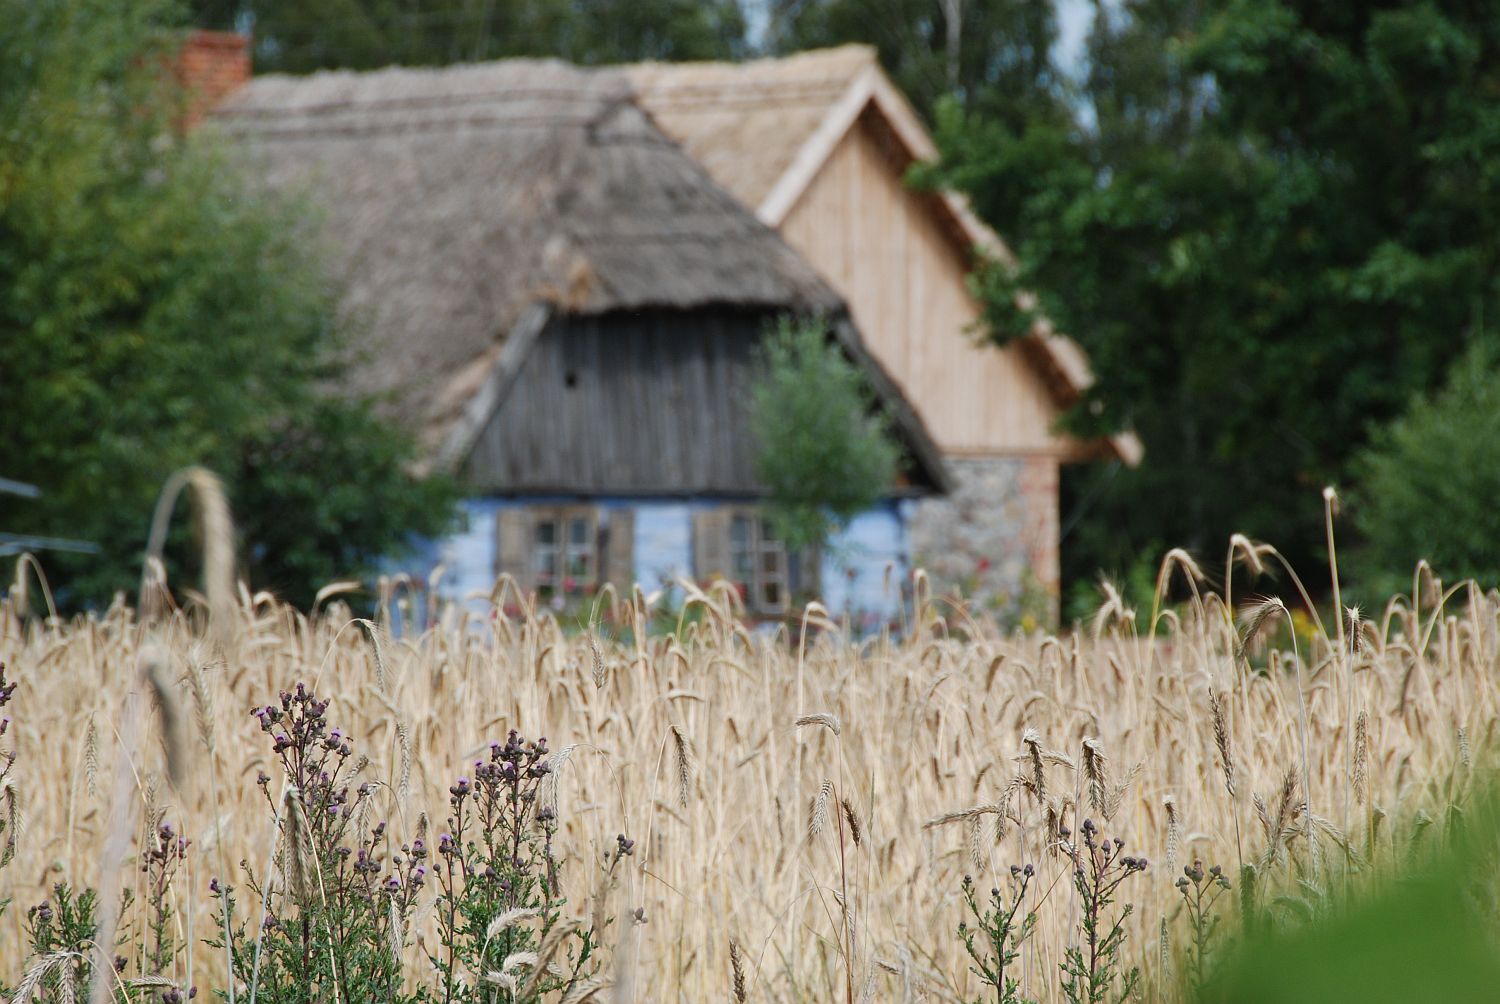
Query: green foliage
[[1136, 588], [298, 36], [157, 314], [1201, 891], [498, 895], [995, 943], [1273, 222], [1424, 933], [1093, 970], [344, 476], [335, 925], [824, 454], [165, 853], [60, 934], [1429, 481], [990, 48]]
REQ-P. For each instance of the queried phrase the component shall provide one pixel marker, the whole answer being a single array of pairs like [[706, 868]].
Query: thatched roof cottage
[[567, 307], [563, 273], [818, 144]]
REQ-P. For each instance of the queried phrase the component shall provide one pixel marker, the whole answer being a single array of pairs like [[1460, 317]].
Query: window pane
[[578, 531], [767, 531], [741, 550], [772, 595], [578, 565], [544, 557], [770, 561]]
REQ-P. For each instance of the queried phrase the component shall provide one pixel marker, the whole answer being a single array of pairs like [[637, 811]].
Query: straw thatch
[[746, 122], [457, 198]]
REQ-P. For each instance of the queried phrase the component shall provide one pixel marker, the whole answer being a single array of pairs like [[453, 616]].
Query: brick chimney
[[210, 67]]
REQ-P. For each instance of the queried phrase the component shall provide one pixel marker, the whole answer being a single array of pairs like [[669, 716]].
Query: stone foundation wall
[[994, 539]]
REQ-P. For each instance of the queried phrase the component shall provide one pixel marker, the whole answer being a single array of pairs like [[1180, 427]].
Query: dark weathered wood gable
[[647, 402]]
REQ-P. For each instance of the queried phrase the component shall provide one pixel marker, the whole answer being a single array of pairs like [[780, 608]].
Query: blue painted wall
[[864, 568]]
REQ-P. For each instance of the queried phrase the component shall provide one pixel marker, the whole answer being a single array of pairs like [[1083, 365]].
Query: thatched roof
[[746, 122], [456, 198]]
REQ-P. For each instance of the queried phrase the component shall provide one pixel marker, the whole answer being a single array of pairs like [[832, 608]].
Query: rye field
[[336, 807]]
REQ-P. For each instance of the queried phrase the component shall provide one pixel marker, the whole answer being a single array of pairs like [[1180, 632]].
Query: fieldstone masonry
[[994, 538]]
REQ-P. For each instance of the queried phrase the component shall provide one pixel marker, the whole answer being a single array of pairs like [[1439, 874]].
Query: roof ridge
[[825, 54], [510, 94], [447, 69]]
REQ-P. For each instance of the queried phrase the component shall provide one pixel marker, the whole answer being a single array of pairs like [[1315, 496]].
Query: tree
[[1272, 225], [971, 50], [156, 314], [824, 454], [1428, 485], [299, 36]]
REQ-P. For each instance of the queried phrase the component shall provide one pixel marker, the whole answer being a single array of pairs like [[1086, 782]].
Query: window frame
[[563, 548], [758, 544]]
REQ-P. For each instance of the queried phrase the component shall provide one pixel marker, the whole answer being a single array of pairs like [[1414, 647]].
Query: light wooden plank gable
[[770, 131], [904, 276]]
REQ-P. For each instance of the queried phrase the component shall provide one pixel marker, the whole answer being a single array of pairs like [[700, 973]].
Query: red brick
[[211, 66]]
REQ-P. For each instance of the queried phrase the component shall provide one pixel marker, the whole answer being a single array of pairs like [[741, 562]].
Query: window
[[757, 561], [566, 550], [738, 544], [564, 546]]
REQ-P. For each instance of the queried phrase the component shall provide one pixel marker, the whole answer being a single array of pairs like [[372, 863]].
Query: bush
[[825, 455], [1427, 485], [159, 313]]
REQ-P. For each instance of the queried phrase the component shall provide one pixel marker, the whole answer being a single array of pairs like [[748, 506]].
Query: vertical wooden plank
[[669, 420], [904, 276], [557, 453], [697, 442], [659, 406], [736, 357], [584, 399]]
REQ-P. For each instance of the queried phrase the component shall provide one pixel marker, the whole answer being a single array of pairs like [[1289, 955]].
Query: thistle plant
[[60, 932], [1200, 892], [8, 818], [158, 948], [335, 912], [499, 911], [994, 942], [1093, 972]]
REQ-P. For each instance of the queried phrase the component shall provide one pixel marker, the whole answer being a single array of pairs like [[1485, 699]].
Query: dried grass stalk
[[685, 762], [823, 718], [817, 816]]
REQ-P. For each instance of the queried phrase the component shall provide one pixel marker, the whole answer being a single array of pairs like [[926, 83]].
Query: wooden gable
[[904, 276], [647, 403], [818, 143]]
